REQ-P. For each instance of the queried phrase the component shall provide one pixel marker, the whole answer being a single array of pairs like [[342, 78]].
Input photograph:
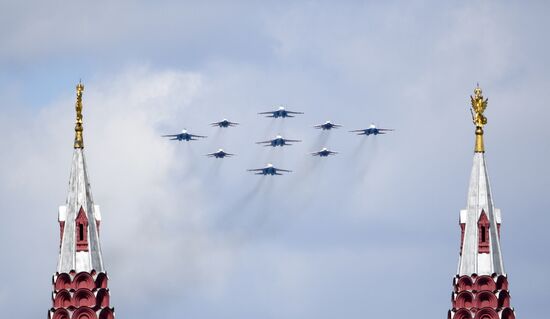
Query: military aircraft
[[220, 154], [324, 152], [268, 170], [184, 136], [278, 141], [224, 123], [327, 126], [280, 112], [372, 130]]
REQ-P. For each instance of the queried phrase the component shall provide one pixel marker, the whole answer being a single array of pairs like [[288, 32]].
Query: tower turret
[[80, 288], [481, 284]]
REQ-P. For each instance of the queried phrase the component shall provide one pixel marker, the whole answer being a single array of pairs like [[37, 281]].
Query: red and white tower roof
[[481, 284], [481, 221], [80, 247]]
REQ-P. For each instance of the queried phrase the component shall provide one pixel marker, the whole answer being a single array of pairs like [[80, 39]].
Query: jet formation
[[279, 140]]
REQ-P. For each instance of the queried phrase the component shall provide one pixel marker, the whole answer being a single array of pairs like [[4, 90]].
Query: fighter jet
[[324, 152], [219, 154], [372, 130], [224, 123], [327, 126], [268, 170], [278, 141], [280, 112], [184, 136]]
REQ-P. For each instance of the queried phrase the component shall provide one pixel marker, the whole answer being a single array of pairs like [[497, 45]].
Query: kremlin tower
[[481, 283], [80, 289]]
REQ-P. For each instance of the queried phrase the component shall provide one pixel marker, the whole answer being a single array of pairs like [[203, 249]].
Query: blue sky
[[372, 231]]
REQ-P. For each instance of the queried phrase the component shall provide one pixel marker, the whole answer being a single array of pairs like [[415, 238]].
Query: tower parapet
[[80, 284], [481, 284]]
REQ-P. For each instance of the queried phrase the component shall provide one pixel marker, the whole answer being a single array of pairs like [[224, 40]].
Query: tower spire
[[481, 283], [80, 284], [78, 139], [478, 107]]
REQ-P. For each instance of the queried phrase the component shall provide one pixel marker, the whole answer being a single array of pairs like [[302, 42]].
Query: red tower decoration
[[481, 284], [80, 284]]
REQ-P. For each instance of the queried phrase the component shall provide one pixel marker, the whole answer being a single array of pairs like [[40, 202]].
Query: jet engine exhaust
[[321, 140]]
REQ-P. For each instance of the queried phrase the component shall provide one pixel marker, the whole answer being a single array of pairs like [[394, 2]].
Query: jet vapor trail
[[215, 168], [234, 216], [366, 160], [269, 128], [360, 148], [321, 140]]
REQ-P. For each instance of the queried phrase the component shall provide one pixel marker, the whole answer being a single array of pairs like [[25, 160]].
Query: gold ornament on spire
[[478, 107], [78, 139]]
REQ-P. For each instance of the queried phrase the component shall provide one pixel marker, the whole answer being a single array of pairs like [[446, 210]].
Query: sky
[[370, 232]]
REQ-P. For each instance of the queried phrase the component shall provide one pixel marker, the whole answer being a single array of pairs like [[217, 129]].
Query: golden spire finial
[[478, 107], [78, 139]]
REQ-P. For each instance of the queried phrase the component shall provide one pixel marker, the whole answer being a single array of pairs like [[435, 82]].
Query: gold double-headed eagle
[[478, 107], [78, 139]]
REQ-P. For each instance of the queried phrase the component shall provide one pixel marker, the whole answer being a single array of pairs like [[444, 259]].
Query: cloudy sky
[[371, 232]]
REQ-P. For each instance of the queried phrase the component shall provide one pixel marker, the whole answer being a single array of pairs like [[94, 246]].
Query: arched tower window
[[483, 238], [81, 231]]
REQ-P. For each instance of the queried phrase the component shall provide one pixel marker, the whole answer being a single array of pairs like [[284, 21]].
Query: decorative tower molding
[[80, 289], [481, 284]]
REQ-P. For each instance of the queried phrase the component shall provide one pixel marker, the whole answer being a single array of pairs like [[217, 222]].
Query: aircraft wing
[[264, 142], [316, 153], [211, 154], [233, 123], [357, 131], [283, 170], [255, 170], [170, 135], [293, 112], [293, 141], [201, 136], [336, 125], [386, 129], [229, 154], [215, 124], [269, 112], [318, 126]]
